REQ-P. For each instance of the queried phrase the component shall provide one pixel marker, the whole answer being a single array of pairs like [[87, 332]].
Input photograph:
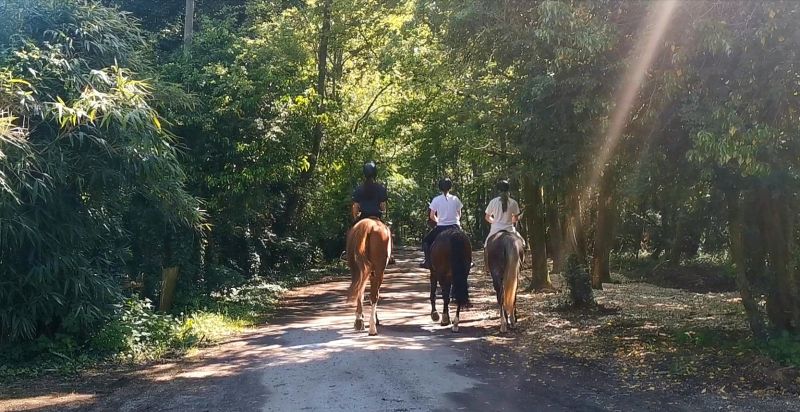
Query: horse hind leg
[[456, 319], [374, 295], [446, 299], [373, 321], [359, 325], [434, 313]]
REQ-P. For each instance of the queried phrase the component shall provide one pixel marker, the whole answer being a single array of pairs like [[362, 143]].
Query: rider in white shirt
[[445, 210], [502, 212]]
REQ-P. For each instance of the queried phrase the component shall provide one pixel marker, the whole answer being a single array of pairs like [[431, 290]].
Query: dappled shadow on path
[[305, 348]]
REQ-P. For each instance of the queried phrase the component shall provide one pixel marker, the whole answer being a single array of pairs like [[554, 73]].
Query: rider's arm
[[489, 218], [433, 216], [382, 206], [515, 213], [355, 210]]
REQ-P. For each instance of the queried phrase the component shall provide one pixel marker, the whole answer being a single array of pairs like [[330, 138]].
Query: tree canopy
[[122, 154]]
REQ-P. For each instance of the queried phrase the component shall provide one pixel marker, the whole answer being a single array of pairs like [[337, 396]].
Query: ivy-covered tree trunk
[[676, 246], [555, 235], [576, 235], [736, 229], [778, 220], [294, 201], [604, 232], [537, 232], [188, 26]]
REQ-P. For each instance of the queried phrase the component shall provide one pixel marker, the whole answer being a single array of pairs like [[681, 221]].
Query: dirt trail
[[310, 359]]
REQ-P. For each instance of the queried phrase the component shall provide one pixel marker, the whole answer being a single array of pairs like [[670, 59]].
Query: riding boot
[[426, 263]]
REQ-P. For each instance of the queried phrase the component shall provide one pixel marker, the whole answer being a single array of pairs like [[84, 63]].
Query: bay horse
[[503, 257], [369, 245], [451, 258]]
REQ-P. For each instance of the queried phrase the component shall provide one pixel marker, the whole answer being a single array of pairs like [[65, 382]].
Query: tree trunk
[[736, 219], [294, 202], [169, 281], [535, 216], [188, 26], [556, 248], [604, 232], [575, 230], [676, 247], [778, 223]]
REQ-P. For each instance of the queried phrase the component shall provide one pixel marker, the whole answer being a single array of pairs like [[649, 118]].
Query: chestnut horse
[[451, 258], [503, 256], [369, 245]]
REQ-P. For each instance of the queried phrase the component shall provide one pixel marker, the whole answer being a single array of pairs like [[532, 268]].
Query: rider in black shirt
[[369, 198]]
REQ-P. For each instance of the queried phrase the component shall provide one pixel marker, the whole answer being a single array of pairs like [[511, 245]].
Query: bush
[[578, 282], [139, 333], [287, 254], [85, 143], [784, 349]]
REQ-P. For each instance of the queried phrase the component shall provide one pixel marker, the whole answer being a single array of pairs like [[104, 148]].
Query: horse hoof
[[435, 316], [455, 328], [359, 324], [373, 333], [445, 322]]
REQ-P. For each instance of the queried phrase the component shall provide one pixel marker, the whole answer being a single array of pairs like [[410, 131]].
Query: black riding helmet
[[445, 184], [370, 170], [503, 186]]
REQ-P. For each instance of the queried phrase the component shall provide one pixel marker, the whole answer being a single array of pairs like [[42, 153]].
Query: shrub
[[139, 333], [578, 282]]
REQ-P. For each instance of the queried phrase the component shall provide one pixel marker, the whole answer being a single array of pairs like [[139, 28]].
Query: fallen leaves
[[652, 336]]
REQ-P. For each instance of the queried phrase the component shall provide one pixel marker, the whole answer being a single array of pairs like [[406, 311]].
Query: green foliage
[[138, 332], [784, 348], [83, 141]]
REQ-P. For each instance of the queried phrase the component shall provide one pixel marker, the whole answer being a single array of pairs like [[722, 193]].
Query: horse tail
[[460, 259], [357, 259], [512, 261]]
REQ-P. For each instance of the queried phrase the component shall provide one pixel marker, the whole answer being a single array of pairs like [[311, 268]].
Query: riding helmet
[[503, 186], [445, 184], [370, 170]]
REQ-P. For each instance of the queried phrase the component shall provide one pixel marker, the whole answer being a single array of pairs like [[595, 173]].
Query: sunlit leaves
[[79, 139]]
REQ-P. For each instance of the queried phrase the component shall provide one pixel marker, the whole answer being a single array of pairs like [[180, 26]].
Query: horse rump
[[460, 262], [357, 259], [505, 252]]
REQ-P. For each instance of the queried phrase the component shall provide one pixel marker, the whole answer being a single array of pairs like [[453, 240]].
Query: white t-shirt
[[502, 220], [448, 209]]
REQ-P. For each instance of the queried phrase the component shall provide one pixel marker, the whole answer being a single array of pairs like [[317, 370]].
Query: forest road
[[309, 358]]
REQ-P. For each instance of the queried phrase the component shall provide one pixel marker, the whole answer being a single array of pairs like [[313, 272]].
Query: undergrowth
[[138, 333], [785, 349]]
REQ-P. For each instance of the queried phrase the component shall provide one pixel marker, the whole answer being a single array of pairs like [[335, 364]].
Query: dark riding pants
[[428, 240]]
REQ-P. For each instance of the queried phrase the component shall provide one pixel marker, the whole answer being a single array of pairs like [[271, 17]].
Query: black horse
[[451, 258]]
